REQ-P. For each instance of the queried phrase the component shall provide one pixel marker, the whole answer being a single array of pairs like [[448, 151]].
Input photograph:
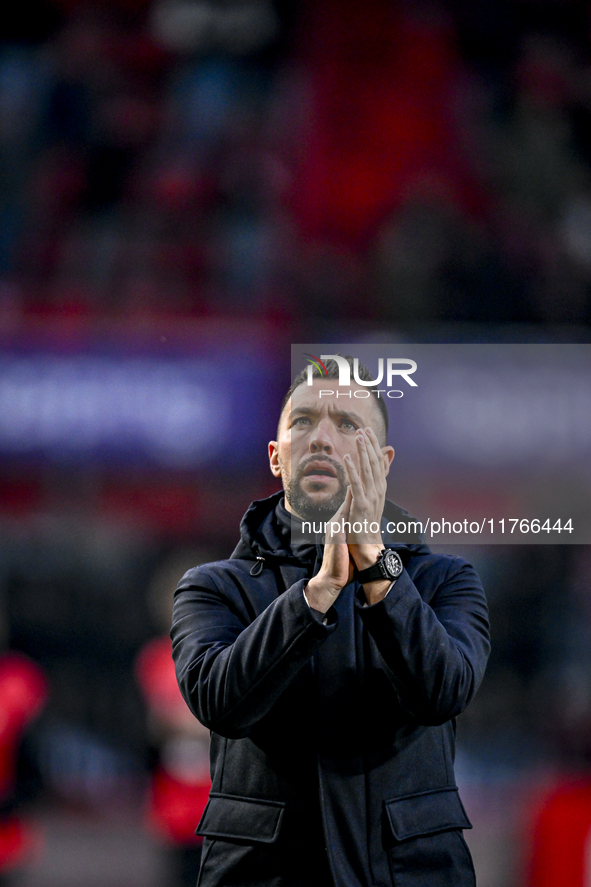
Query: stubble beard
[[307, 508]]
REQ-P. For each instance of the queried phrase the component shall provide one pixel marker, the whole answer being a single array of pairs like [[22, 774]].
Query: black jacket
[[339, 735]]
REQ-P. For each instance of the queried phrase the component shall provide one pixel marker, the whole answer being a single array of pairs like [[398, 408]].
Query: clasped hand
[[353, 536]]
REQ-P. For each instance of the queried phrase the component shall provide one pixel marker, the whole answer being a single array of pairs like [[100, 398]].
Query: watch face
[[392, 563]]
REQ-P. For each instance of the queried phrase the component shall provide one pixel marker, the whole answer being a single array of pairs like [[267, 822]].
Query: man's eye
[[301, 420], [348, 426]]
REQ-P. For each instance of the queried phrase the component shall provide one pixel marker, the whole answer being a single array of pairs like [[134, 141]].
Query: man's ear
[[274, 459], [389, 454]]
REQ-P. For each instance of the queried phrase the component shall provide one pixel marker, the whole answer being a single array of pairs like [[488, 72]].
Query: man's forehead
[[322, 396]]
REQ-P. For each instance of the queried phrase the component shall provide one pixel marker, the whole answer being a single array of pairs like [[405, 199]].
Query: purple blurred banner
[[100, 404], [495, 439]]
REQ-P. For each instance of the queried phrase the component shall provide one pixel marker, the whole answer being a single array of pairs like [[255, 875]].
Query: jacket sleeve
[[230, 672], [434, 654]]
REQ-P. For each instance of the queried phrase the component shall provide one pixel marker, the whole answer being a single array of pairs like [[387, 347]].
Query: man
[[330, 675]]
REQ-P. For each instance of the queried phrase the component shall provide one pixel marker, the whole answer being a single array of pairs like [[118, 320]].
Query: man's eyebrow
[[303, 411], [352, 417], [341, 414]]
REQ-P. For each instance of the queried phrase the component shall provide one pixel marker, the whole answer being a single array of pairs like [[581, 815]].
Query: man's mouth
[[319, 469], [317, 488]]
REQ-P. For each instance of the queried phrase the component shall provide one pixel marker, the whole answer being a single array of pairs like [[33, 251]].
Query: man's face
[[315, 433]]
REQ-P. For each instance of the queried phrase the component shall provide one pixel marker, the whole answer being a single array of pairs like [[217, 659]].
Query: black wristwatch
[[387, 566]]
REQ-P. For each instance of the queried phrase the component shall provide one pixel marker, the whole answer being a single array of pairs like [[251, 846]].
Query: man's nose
[[321, 440]]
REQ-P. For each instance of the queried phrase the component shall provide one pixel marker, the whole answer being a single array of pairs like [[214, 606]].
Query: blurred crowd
[[394, 161]]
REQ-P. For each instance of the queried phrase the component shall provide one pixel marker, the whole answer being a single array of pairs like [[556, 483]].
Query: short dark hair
[[332, 372]]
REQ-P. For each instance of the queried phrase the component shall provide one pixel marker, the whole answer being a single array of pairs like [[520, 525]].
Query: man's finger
[[357, 488], [335, 532], [365, 467], [376, 457]]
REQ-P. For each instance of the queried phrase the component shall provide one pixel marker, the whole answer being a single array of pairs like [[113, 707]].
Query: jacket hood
[[263, 536]]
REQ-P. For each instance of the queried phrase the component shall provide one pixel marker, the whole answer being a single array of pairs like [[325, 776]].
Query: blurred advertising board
[[184, 402]]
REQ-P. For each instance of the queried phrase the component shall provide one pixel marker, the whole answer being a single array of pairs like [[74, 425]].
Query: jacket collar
[[262, 534]]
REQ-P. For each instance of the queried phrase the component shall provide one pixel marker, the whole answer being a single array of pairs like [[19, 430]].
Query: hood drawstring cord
[[257, 568]]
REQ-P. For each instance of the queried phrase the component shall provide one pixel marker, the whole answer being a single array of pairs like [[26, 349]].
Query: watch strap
[[371, 574]]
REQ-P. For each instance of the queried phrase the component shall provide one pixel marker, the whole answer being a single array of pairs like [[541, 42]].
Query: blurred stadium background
[[187, 187]]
